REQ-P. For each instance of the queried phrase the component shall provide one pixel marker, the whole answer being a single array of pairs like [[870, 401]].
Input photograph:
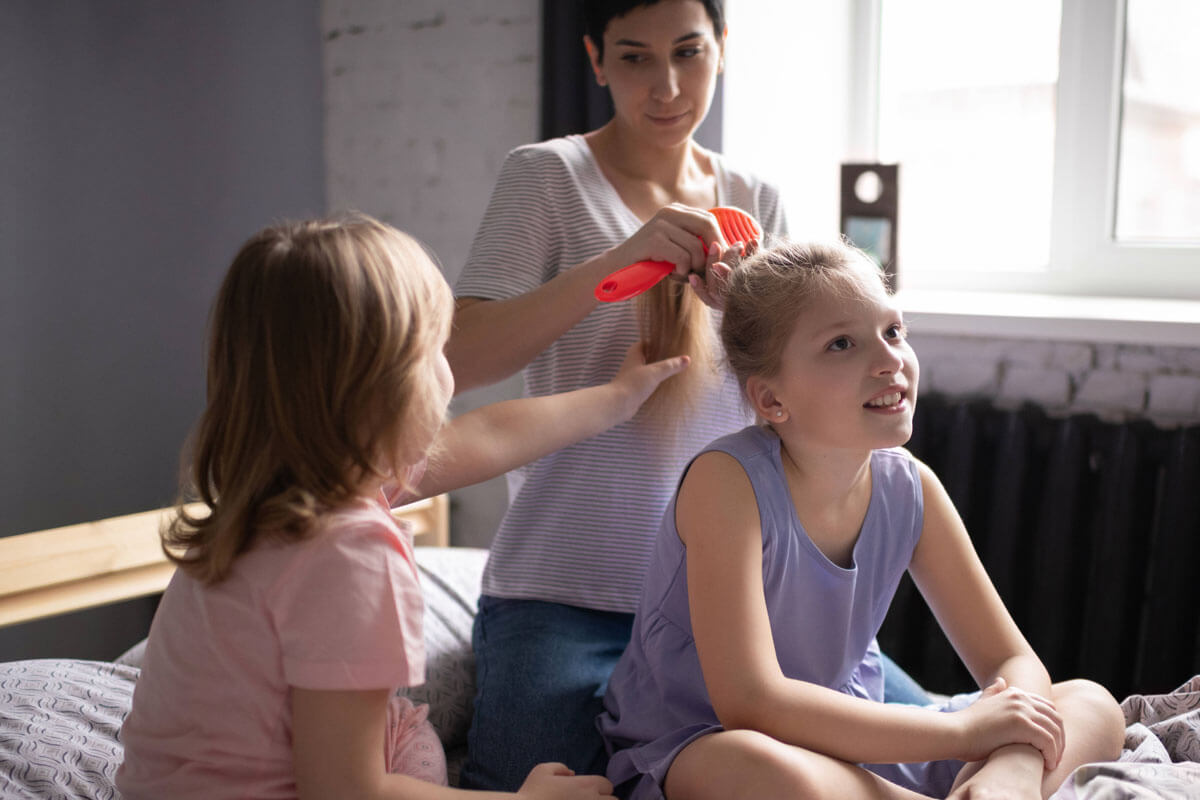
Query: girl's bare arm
[[493, 339], [717, 518], [493, 439], [951, 577]]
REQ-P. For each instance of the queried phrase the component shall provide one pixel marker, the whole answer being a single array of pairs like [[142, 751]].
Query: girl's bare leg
[[732, 765], [1094, 727]]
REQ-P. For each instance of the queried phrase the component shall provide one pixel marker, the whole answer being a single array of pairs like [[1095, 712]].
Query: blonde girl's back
[[297, 576]]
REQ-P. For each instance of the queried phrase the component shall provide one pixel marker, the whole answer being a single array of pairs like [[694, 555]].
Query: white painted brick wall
[[1142, 359], [423, 100], [1175, 396], [1187, 359], [1111, 392], [1049, 388], [1112, 381], [1074, 359]]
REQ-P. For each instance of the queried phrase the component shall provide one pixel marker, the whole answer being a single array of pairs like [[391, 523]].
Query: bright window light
[[967, 108], [1158, 183]]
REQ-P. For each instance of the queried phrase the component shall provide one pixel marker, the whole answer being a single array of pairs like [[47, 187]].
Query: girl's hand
[[677, 233], [1006, 715], [552, 781], [638, 380]]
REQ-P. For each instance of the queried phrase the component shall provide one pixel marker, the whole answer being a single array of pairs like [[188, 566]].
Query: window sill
[[1045, 317]]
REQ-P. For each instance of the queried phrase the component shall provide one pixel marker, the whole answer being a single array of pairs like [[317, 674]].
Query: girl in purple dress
[[765, 681]]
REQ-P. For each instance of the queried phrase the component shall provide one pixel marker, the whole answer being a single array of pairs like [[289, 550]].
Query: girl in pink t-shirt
[[274, 657]]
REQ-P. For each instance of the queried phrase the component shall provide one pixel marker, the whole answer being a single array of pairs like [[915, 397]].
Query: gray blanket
[[1161, 754]]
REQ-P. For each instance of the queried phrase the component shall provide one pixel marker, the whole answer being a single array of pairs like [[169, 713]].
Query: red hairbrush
[[736, 226]]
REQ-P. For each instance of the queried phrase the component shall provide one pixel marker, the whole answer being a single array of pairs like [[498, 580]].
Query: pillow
[[133, 656], [450, 578], [58, 727]]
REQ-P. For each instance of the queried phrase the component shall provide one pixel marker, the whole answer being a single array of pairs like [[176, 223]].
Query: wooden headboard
[[50, 572]]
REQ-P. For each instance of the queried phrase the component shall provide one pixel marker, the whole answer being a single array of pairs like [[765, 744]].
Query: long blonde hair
[[675, 322], [318, 364]]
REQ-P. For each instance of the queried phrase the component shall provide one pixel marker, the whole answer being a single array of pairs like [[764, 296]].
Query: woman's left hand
[[719, 265]]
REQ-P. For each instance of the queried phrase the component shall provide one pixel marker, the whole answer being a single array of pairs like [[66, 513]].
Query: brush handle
[[736, 226], [632, 280]]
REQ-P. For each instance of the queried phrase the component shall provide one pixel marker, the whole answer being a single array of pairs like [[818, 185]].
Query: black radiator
[[1089, 529]]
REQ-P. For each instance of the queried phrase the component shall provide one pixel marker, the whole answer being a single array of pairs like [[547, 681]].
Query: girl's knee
[[1091, 704], [1087, 694]]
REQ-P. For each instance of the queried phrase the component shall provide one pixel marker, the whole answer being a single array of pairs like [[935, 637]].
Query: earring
[[779, 412]]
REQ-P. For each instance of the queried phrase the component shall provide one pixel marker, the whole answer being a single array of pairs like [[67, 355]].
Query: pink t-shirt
[[340, 610]]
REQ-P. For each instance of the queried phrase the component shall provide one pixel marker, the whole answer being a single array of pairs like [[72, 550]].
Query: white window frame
[[1085, 257], [1094, 287], [1083, 249]]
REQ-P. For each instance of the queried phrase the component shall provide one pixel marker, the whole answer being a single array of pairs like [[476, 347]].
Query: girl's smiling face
[[847, 377], [660, 63]]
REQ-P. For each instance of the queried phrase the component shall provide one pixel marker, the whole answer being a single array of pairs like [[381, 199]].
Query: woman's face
[[660, 63]]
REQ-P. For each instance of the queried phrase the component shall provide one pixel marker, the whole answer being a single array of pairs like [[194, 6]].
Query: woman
[[568, 561]]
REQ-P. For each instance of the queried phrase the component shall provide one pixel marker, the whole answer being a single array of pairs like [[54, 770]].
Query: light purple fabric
[[824, 618]]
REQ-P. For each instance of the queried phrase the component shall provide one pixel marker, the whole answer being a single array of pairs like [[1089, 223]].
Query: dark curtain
[[571, 100]]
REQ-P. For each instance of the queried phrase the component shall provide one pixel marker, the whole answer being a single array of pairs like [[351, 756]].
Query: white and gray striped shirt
[[581, 522]]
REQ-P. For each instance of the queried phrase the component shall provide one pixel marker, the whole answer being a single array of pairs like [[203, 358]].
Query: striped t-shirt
[[581, 522]]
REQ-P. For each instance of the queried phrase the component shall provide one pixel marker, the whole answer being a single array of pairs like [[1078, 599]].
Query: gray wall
[[140, 144]]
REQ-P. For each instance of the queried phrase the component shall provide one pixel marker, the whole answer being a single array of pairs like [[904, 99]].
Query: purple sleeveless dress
[[824, 619]]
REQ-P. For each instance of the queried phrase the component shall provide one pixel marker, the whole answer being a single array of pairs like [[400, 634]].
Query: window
[[971, 123], [1044, 145], [1158, 172]]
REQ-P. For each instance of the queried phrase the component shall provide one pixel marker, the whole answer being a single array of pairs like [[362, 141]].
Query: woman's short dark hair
[[598, 13]]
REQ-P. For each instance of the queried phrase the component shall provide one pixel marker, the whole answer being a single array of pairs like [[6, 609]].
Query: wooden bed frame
[[50, 572]]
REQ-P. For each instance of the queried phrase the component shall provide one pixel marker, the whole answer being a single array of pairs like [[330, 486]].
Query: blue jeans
[[899, 687], [541, 673]]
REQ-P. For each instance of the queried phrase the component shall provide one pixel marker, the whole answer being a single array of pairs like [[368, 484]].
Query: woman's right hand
[[680, 234], [553, 781], [1005, 715]]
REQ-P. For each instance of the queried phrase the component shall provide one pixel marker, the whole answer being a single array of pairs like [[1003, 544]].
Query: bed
[[60, 718]]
